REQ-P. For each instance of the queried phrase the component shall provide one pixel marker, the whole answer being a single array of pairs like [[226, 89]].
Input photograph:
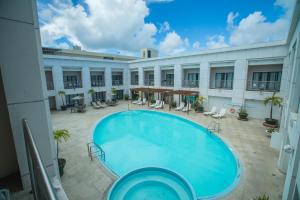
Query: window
[[117, 79], [99, 96], [224, 80], [71, 81], [134, 78], [149, 54], [266, 80], [193, 76], [97, 80]]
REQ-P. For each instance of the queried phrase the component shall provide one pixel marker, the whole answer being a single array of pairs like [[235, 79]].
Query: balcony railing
[[216, 84], [42, 188], [72, 85], [167, 83], [190, 83], [134, 82], [98, 83], [117, 82], [149, 82], [263, 85]]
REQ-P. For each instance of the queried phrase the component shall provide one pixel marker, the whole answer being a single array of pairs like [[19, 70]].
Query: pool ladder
[[95, 151], [214, 126]]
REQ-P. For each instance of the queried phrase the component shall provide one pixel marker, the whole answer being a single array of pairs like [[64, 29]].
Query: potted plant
[[114, 94], [62, 94], [91, 92], [270, 131], [59, 136], [199, 104], [274, 101], [173, 104], [243, 115], [126, 97]]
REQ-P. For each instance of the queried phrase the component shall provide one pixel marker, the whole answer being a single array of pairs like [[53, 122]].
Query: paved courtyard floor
[[85, 179]]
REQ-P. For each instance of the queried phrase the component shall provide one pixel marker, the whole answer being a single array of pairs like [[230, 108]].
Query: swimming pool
[[143, 138]]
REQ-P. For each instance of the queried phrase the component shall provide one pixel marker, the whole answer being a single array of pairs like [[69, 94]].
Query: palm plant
[[61, 94], [59, 136], [114, 91], [199, 104], [91, 92], [274, 101]]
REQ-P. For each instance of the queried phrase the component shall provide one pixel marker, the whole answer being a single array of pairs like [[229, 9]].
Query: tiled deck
[[84, 179]]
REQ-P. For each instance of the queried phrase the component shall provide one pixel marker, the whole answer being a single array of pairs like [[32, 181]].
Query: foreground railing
[[219, 84], [149, 82], [264, 85], [40, 183], [190, 83]]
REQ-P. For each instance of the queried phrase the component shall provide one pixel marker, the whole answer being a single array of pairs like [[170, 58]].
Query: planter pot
[[269, 134], [63, 107], [243, 116], [199, 109], [272, 123], [61, 166]]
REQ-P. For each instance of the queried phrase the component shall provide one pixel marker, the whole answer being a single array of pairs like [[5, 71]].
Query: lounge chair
[[136, 102], [95, 105], [187, 108], [142, 102], [155, 104], [100, 104], [211, 112], [180, 107], [220, 114], [160, 105]]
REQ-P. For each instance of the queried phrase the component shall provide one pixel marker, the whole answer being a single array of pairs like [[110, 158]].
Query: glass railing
[[263, 85], [149, 82], [72, 85], [117, 82], [98, 83], [218, 84], [167, 83], [190, 83], [42, 187], [50, 86], [134, 82]]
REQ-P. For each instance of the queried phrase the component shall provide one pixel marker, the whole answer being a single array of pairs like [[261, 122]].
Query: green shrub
[[264, 197]]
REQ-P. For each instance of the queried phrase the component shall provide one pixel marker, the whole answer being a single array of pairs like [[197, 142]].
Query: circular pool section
[[151, 183], [139, 139]]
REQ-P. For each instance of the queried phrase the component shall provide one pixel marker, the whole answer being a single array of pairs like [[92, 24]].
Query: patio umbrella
[[77, 98]]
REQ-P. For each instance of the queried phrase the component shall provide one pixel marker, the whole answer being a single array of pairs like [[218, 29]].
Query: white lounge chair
[[187, 108], [220, 114], [180, 107], [160, 106], [142, 102], [96, 106], [155, 104], [212, 111], [136, 102]]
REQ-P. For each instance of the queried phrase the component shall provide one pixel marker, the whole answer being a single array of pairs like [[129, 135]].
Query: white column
[[157, 76], [126, 79], [86, 84], [24, 83], [108, 82], [58, 82], [204, 78], [239, 82], [141, 76], [177, 76]]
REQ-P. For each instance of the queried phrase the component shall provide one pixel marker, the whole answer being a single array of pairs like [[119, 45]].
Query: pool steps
[[95, 151]]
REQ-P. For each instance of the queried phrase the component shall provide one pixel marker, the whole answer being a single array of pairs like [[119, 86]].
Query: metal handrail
[[94, 150], [41, 186]]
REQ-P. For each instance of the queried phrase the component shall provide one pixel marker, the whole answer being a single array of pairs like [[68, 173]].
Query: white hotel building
[[228, 77]]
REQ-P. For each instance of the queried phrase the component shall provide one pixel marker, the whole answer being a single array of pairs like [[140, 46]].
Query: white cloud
[[173, 44], [196, 45], [164, 27], [216, 41], [120, 24], [230, 19], [255, 28]]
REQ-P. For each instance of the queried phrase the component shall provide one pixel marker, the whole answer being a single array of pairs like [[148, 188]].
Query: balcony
[[72, 85], [117, 82], [50, 86], [167, 83], [98, 83], [263, 86], [149, 82], [224, 84], [190, 83]]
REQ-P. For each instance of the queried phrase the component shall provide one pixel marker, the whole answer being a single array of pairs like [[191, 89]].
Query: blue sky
[[170, 26]]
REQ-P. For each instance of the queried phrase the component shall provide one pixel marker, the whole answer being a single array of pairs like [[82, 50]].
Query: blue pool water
[[138, 139]]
